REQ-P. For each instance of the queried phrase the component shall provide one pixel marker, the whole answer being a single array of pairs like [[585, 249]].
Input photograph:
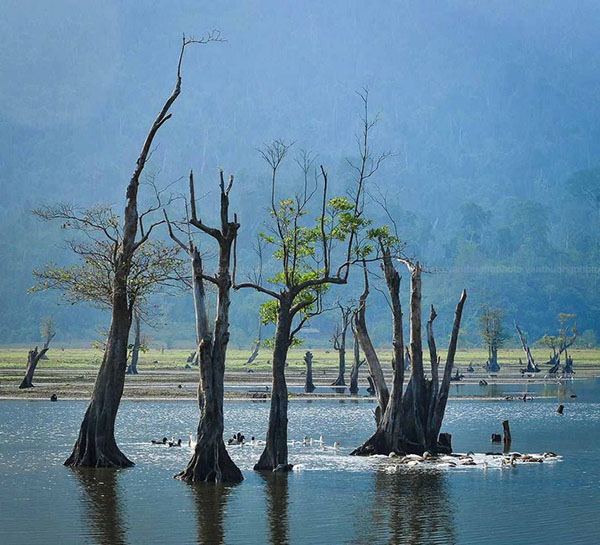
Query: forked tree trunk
[[356, 363], [309, 387], [135, 350], [275, 453], [388, 433], [531, 366], [411, 422], [211, 461], [33, 358]]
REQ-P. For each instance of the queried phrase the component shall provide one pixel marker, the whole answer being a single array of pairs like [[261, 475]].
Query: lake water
[[329, 498]]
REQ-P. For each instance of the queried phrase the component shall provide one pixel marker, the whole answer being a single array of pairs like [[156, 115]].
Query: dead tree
[[410, 421], [309, 387], [356, 364], [211, 461], [256, 347], [339, 343], [135, 348], [531, 366], [96, 445], [33, 358]]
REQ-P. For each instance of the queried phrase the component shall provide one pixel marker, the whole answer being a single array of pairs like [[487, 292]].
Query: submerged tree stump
[[309, 387], [507, 436]]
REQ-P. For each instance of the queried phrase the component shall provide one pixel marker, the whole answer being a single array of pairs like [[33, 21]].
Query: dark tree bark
[[531, 365], [211, 461], [96, 445], [309, 387], [33, 358], [362, 333], [135, 350], [275, 454], [411, 422], [356, 364], [339, 344], [388, 432]]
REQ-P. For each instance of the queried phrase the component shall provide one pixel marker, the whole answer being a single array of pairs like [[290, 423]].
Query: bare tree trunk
[[411, 422], [356, 363], [387, 435], [275, 454], [531, 366], [340, 380], [256, 348], [339, 344], [135, 351], [33, 358], [96, 445], [211, 461], [309, 387], [362, 333]]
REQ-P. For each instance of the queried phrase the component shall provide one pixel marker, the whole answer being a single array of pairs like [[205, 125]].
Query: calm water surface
[[328, 499]]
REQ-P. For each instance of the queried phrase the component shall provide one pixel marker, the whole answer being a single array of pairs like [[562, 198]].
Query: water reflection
[[103, 503], [210, 500], [415, 505], [276, 493]]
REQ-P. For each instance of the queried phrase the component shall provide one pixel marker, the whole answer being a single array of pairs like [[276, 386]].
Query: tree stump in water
[[507, 436], [560, 409], [445, 443], [309, 387]]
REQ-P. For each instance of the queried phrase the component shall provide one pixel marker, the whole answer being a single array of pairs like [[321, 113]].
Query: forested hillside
[[494, 126]]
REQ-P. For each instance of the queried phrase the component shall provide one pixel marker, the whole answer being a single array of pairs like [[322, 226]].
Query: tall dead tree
[[531, 366], [409, 421], [211, 461], [96, 445], [339, 342], [35, 355]]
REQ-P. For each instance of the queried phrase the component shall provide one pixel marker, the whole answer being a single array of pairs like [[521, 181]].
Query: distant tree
[[47, 331], [561, 342], [493, 334], [338, 340]]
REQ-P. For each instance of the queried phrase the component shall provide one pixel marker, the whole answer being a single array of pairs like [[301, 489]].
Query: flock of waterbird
[[470, 459], [240, 440]]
